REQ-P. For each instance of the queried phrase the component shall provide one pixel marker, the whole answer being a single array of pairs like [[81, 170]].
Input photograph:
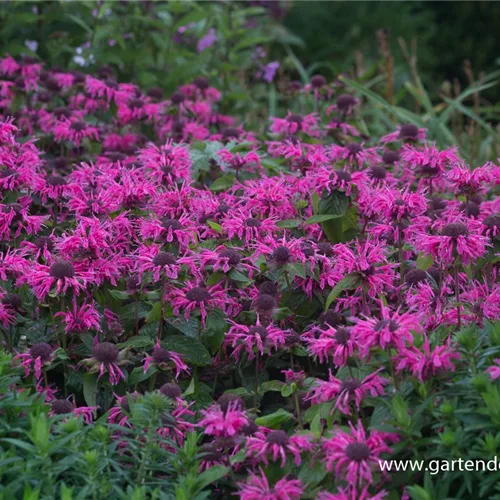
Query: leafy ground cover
[[196, 308]]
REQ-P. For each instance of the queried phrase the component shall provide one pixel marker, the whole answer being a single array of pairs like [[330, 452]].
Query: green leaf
[[90, 389], [288, 223], [347, 283], [138, 342], [216, 227], [424, 261], [274, 420], [191, 349], [317, 219], [138, 375], [271, 386], [222, 183], [210, 476]]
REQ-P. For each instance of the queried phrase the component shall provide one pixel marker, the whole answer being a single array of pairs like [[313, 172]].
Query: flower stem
[[457, 296], [256, 398]]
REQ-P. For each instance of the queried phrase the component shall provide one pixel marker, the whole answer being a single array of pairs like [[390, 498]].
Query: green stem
[[457, 296], [256, 398]]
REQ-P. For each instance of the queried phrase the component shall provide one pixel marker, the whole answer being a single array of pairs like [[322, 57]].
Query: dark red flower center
[[44, 241], [252, 222], [342, 336], [342, 175], [415, 276], [351, 384], [173, 224], [386, 323], [201, 82], [318, 81], [160, 355], [62, 269], [354, 148], [265, 303], [295, 119], [390, 157], [197, 294], [358, 451], [171, 390], [331, 318], [492, 221], [164, 259], [41, 350], [232, 400], [62, 406], [325, 249], [232, 256], [277, 437], [106, 352], [281, 255], [408, 132], [268, 288], [345, 102], [378, 172], [455, 230], [56, 180], [258, 330], [78, 126]]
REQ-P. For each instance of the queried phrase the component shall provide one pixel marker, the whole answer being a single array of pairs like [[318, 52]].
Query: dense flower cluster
[[152, 239]]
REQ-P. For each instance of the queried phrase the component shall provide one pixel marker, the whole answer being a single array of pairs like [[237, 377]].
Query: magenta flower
[[348, 390], [193, 297], [81, 318], [408, 133], [336, 343], [252, 339], [244, 225], [151, 259], [352, 493], [66, 407], [267, 445], [164, 360], [58, 277], [461, 238], [355, 455], [494, 371], [392, 330], [226, 422], [293, 124], [75, 130], [257, 487], [39, 356], [424, 362], [106, 357]]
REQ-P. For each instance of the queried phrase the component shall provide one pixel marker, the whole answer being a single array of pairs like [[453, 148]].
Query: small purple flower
[[269, 71], [207, 41]]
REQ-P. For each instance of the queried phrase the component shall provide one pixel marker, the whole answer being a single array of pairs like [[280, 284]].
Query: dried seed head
[[268, 288], [265, 304]]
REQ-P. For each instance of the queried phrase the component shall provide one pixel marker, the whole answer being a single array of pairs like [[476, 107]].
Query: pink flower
[[59, 276], [254, 338], [66, 407], [494, 371], [348, 390], [81, 318], [459, 238], [223, 423], [294, 124], [424, 362], [164, 359], [268, 444], [337, 343], [74, 131], [354, 455], [106, 357], [257, 488], [40, 355], [391, 331]]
